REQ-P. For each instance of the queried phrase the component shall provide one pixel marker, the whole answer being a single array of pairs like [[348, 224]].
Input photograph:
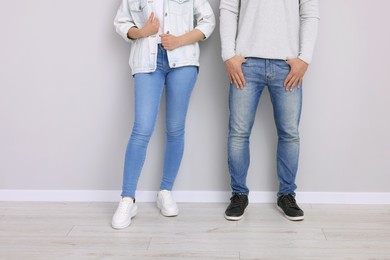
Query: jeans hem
[[240, 193]]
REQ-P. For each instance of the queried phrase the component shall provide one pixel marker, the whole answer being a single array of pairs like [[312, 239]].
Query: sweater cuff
[[228, 55], [306, 59]]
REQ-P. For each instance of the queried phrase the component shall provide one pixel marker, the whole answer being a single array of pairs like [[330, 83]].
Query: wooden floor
[[46, 230]]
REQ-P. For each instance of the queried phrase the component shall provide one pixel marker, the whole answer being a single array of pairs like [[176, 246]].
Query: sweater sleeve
[[309, 20], [229, 13]]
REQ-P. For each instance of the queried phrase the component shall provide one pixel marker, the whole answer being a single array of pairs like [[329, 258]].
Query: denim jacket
[[180, 17]]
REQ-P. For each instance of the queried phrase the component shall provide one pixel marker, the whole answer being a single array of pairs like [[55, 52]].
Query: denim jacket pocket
[[179, 6], [180, 1], [137, 11]]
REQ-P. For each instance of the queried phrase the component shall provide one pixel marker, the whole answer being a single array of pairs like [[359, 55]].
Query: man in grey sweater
[[266, 43]]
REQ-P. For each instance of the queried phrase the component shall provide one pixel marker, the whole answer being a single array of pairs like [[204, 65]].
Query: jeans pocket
[[247, 61], [282, 64]]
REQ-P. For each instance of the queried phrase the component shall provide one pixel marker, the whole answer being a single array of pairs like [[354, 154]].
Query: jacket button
[[174, 65]]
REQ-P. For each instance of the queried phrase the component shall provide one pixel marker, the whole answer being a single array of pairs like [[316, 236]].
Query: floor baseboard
[[193, 196]]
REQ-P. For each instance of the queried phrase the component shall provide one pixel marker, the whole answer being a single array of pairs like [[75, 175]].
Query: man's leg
[[287, 111], [242, 106]]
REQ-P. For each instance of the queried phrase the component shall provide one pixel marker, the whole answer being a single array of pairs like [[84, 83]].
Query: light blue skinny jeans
[[178, 83], [243, 104]]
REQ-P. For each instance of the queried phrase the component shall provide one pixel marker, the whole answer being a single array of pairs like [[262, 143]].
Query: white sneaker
[[166, 204], [126, 210]]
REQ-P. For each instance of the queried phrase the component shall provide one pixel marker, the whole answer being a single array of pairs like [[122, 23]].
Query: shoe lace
[[167, 198], [123, 206], [237, 201], [290, 201]]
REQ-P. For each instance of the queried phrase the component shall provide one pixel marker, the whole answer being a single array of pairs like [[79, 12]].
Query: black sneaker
[[288, 206], [236, 208]]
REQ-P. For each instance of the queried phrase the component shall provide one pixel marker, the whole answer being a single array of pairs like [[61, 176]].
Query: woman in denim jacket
[[164, 36]]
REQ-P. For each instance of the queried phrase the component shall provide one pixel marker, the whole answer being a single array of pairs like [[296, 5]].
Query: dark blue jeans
[[243, 103]]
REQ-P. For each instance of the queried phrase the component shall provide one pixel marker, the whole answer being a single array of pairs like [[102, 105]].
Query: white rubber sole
[[290, 218], [234, 218], [133, 213], [167, 213]]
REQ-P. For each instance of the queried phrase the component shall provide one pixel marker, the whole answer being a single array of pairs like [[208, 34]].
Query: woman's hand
[[170, 42], [151, 26]]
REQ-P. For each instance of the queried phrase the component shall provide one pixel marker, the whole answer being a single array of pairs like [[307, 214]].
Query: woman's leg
[[148, 91], [179, 85]]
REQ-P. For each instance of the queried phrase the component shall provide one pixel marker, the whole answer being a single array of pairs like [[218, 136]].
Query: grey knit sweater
[[269, 29]]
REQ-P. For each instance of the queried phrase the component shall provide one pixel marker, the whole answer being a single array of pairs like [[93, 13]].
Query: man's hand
[[295, 77], [170, 42], [234, 69], [151, 26]]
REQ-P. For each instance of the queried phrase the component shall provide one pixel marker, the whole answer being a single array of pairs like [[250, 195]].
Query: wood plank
[[358, 234], [308, 249], [31, 243], [117, 254], [234, 238], [25, 229]]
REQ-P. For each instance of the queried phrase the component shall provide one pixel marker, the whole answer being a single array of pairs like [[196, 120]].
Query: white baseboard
[[193, 196]]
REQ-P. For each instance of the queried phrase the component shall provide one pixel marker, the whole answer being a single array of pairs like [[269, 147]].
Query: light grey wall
[[67, 96]]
